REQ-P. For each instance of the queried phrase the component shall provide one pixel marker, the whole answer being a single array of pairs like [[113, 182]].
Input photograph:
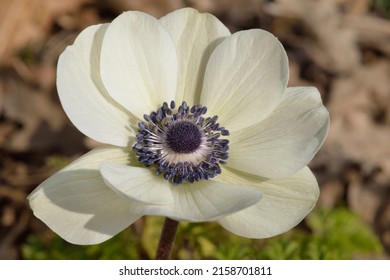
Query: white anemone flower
[[198, 125]]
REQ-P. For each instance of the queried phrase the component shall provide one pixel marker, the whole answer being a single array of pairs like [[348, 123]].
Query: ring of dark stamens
[[186, 132]]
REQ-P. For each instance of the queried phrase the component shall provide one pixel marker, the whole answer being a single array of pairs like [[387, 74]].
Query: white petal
[[284, 204], [77, 205], [83, 96], [196, 36], [245, 78], [139, 63], [285, 141], [137, 183], [205, 201]]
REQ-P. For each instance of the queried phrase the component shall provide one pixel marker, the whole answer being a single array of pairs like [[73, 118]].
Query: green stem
[[167, 238]]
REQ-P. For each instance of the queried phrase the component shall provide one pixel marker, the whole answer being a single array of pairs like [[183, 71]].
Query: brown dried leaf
[[21, 22], [32, 109], [357, 106], [331, 44], [156, 8]]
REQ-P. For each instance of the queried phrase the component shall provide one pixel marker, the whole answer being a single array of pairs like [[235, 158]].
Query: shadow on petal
[[79, 207]]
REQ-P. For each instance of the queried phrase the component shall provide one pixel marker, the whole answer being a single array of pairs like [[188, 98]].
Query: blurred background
[[340, 46]]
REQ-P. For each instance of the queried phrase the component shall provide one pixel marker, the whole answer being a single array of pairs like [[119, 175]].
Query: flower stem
[[167, 238]]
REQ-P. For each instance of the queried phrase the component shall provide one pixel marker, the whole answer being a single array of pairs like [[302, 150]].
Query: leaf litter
[[340, 46]]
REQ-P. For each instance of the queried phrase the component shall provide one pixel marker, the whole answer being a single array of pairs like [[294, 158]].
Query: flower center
[[182, 145], [184, 137]]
